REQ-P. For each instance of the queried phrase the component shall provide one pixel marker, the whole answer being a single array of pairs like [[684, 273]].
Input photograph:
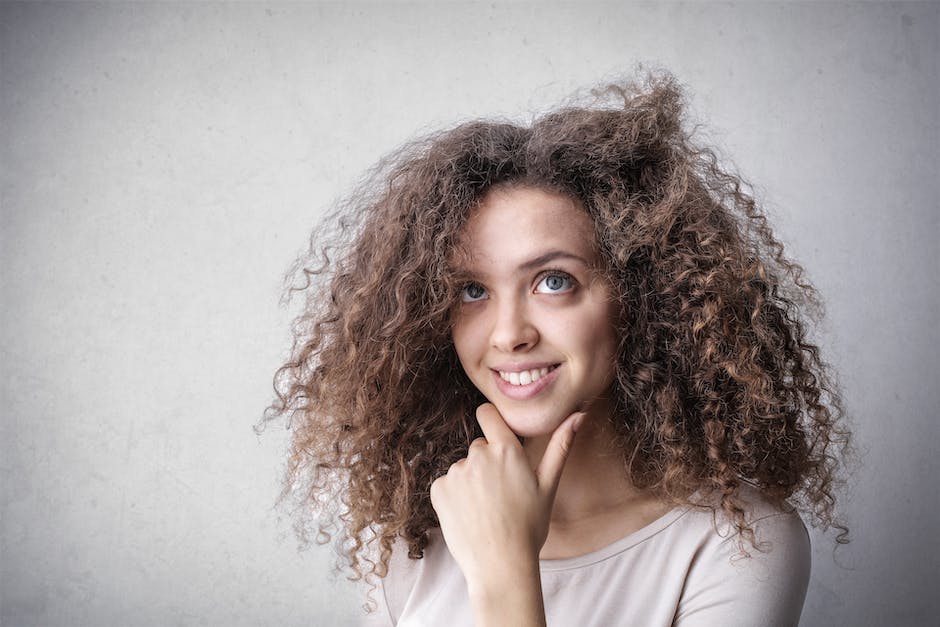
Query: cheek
[[589, 328], [466, 341], [594, 337], [597, 341]]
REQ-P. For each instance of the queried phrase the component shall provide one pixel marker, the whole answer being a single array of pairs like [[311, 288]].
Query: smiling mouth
[[525, 377]]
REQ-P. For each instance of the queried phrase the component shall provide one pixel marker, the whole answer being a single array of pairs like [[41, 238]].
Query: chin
[[529, 424]]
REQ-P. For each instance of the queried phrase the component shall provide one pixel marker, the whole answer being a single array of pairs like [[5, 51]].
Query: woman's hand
[[494, 512]]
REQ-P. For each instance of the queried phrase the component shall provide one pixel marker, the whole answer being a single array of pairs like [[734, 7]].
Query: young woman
[[559, 373]]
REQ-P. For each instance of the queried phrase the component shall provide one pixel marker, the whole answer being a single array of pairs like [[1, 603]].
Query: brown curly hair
[[717, 383]]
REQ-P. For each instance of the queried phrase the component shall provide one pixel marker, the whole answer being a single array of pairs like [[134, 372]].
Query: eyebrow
[[552, 255], [535, 262]]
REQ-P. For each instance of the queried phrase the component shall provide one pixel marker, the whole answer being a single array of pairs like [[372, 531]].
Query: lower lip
[[523, 392]]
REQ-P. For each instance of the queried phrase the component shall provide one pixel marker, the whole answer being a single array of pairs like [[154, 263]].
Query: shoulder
[[391, 591], [406, 581], [732, 582]]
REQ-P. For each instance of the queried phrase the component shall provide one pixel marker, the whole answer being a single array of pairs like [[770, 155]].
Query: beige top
[[678, 570]]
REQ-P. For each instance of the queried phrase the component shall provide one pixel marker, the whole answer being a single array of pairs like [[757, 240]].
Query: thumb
[[553, 461]]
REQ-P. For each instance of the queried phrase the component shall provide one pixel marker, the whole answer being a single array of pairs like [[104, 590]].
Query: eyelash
[[539, 279], [463, 293], [556, 273]]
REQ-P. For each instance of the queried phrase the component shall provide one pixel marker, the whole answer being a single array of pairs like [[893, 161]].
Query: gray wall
[[162, 164]]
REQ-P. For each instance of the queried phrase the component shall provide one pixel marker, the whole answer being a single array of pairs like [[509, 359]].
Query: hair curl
[[717, 383]]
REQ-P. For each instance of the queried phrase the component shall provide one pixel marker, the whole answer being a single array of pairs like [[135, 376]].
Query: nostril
[[512, 330]]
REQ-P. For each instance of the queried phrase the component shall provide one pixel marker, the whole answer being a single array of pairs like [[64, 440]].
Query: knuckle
[[485, 408]]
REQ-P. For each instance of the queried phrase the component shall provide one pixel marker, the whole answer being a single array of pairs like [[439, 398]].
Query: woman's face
[[534, 330]]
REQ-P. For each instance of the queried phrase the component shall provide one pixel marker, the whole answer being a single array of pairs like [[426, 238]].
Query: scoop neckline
[[618, 546]]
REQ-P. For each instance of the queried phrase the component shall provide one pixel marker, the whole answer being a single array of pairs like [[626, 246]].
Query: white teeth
[[524, 377]]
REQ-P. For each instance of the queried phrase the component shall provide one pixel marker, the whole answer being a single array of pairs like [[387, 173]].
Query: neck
[[596, 502], [594, 479]]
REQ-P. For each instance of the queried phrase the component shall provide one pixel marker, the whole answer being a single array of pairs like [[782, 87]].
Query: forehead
[[511, 225]]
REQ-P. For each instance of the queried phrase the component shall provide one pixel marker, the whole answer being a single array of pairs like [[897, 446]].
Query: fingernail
[[578, 420]]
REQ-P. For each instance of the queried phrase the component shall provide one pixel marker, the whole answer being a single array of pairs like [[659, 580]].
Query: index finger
[[494, 427]]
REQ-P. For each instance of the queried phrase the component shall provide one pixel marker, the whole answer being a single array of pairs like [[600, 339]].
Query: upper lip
[[523, 367]]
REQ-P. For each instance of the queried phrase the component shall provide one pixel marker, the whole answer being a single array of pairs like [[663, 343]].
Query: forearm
[[508, 598]]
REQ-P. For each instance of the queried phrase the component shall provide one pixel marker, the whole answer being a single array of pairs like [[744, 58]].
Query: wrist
[[509, 596], [509, 572]]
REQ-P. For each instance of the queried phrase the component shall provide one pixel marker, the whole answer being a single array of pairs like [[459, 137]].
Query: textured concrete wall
[[161, 165]]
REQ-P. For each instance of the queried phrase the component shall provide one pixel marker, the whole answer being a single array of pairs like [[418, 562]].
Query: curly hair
[[717, 382]]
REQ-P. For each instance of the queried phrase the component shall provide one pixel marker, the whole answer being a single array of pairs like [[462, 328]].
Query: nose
[[513, 330]]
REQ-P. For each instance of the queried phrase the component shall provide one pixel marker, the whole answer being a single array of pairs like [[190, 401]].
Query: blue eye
[[472, 292], [554, 283]]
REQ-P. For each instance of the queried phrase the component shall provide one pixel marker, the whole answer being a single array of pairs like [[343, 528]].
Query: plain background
[[163, 164]]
